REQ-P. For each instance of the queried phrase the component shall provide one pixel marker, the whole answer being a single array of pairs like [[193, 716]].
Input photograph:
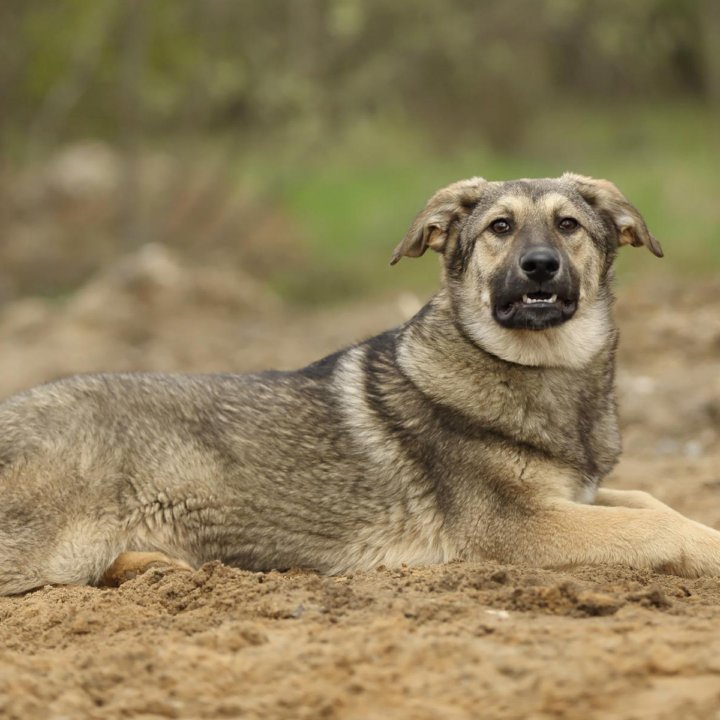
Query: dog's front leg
[[566, 533]]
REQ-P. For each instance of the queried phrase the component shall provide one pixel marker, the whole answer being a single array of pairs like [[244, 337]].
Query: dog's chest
[[561, 421], [574, 421]]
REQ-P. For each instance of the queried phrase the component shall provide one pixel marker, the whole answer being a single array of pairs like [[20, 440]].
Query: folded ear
[[440, 219], [608, 200]]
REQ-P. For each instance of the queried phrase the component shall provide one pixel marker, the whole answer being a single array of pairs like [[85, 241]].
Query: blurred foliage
[[246, 65], [339, 117]]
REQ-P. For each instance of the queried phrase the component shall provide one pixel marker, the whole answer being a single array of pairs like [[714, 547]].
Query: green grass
[[353, 197]]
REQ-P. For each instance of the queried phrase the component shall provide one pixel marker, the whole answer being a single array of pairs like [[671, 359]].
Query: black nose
[[540, 264]]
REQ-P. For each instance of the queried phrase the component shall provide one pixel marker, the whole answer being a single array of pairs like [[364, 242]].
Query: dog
[[481, 429]]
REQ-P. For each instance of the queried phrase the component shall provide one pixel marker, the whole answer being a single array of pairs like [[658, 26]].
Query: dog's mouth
[[535, 310]]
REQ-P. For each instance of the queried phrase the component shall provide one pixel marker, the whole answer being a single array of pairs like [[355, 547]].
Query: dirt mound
[[455, 641], [85, 206], [154, 311]]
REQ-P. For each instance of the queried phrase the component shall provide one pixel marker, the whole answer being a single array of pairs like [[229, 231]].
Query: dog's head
[[528, 262]]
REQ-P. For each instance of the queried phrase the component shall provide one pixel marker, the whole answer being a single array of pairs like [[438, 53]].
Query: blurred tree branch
[[310, 67], [710, 25], [130, 115], [73, 83]]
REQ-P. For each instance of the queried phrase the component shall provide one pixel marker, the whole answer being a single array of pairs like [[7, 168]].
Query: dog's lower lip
[[534, 310]]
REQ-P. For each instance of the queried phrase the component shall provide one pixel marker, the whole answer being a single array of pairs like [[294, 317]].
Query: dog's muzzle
[[537, 294]]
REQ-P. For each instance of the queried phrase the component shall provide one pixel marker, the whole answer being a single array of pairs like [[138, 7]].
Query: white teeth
[[529, 301]]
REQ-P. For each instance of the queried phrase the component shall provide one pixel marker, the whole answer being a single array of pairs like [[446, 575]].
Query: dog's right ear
[[440, 218]]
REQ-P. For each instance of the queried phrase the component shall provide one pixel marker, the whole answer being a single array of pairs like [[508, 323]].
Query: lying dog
[[482, 428]]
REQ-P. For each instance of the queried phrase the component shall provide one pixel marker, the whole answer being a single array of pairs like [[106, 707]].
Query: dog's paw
[[129, 565]]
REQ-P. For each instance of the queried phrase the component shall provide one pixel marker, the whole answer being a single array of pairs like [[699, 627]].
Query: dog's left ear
[[440, 218], [606, 198]]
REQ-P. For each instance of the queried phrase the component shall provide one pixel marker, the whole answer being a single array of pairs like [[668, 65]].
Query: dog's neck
[[574, 345], [440, 352]]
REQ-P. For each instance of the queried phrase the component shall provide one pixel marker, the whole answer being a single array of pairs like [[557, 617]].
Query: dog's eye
[[568, 224], [501, 226]]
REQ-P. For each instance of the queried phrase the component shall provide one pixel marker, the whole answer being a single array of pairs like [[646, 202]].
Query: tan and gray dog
[[481, 428]]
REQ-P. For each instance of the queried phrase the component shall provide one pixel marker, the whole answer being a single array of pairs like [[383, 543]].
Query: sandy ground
[[454, 641]]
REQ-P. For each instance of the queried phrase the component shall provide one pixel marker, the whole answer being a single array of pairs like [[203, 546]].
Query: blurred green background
[[296, 139]]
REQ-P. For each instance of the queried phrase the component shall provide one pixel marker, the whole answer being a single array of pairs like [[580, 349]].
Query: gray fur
[[416, 446]]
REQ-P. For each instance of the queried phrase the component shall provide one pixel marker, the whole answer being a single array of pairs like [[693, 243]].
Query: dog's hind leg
[[41, 553], [128, 565], [56, 530], [79, 558]]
